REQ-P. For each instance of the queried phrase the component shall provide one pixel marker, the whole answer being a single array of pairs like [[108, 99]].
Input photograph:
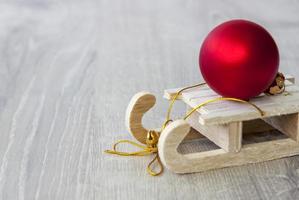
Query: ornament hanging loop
[[278, 85]]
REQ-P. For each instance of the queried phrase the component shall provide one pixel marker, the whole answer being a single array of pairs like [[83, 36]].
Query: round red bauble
[[239, 59]]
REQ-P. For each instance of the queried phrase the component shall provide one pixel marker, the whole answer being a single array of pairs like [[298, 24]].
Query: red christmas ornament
[[239, 59]]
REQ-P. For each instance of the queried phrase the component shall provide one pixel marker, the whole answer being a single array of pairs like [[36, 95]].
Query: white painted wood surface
[[68, 70]]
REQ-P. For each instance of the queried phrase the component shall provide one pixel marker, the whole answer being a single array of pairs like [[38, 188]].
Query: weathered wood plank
[[226, 136], [287, 124], [204, 91], [174, 134], [249, 127], [227, 111]]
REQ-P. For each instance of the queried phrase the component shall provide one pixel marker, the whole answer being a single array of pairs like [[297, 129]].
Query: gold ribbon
[[153, 136], [148, 149]]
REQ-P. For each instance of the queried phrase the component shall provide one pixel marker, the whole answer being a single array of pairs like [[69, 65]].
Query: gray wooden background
[[68, 70]]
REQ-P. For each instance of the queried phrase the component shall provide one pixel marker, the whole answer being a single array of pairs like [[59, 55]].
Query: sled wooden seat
[[224, 123]]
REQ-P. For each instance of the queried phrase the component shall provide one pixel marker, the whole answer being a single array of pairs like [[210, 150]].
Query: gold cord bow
[[148, 149]]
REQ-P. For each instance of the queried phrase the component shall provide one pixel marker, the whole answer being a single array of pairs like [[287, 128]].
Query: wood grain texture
[[68, 70], [287, 124], [138, 106], [170, 93], [224, 112], [226, 136], [174, 134]]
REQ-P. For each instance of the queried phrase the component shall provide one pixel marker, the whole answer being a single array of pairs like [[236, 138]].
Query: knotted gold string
[[144, 152], [153, 136], [149, 148], [167, 119]]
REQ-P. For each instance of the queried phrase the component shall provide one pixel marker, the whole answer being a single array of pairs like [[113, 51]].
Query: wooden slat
[[206, 92], [251, 153], [226, 136], [170, 93], [226, 111], [249, 127]]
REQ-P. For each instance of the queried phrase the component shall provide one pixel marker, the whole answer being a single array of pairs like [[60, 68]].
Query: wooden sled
[[223, 123]]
